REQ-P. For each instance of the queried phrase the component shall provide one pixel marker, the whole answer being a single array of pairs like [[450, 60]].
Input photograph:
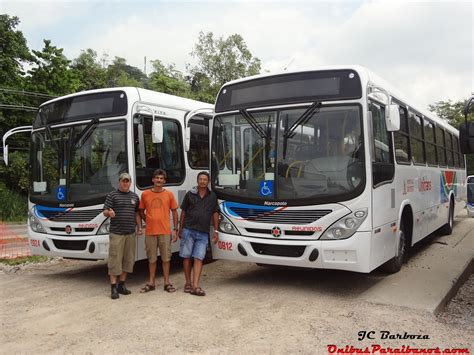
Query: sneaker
[[114, 292], [122, 289]]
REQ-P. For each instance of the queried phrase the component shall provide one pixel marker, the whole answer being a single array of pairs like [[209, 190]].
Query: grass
[[13, 206], [24, 260]]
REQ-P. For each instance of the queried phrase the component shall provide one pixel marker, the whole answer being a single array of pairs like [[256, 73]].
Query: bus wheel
[[447, 229], [395, 264]]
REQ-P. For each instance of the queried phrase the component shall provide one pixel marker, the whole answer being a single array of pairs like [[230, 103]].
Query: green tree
[[453, 113], [14, 54], [168, 79], [201, 88], [219, 61], [51, 73], [119, 73], [88, 70], [450, 111]]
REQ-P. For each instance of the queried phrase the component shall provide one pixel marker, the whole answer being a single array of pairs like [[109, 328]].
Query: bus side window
[[402, 147], [382, 161], [167, 155], [416, 139], [198, 154]]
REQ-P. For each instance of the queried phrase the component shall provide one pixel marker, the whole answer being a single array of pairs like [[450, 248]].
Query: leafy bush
[[16, 174], [13, 205]]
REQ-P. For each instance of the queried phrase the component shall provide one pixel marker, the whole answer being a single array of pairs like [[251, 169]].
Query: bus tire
[[395, 264], [447, 229]]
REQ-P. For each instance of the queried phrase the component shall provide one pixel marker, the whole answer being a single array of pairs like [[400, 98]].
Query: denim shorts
[[193, 244]]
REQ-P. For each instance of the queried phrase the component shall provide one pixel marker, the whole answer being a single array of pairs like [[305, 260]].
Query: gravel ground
[[64, 306], [460, 311]]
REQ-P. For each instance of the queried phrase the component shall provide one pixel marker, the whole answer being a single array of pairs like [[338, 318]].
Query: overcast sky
[[423, 48]]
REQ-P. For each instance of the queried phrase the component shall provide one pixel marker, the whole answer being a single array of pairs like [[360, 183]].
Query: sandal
[[198, 291], [169, 288], [188, 288], [147, 288]]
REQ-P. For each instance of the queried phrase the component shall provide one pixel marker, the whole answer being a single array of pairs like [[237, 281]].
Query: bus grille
[[70, 216], [269, 231], [292, 251], [70, 244], [280, 216]]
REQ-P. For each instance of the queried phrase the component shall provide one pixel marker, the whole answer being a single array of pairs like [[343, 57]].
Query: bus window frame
[[415, 114], [188, 153], [403, 133], [180, 135]]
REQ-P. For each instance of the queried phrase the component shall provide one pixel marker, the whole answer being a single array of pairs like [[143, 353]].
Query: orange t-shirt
[[157, 206]]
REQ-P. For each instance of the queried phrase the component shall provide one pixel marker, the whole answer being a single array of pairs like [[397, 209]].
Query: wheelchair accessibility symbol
[[61, 193], [266, 188]]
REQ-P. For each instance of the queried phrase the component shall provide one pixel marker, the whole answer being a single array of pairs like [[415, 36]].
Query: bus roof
[[366, 76], [145, 95]]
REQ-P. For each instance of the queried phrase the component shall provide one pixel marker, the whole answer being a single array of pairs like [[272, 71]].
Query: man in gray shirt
[[121, 206], [198, 208]]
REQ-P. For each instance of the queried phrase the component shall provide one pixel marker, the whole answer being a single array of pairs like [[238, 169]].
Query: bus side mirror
[[5, 154], [157, 131], [466, 137], [187, 139], [392, 120]]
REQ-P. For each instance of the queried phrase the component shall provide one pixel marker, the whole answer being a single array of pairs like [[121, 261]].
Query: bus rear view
[[308, 174]]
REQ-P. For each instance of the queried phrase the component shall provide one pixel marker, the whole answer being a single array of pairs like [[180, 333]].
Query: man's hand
[[111, 213], [175, 236], [215, 236], [139, 230]]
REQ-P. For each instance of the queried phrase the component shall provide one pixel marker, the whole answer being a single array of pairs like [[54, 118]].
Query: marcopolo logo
[[275, 203], [276, 232]]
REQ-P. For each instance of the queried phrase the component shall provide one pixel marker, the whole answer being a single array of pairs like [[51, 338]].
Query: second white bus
[[330, 168]]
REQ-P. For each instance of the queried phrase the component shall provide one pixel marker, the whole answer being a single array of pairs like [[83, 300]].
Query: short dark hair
[[160, 172], [204, 173]]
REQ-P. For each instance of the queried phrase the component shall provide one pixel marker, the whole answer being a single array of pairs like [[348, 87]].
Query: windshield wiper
[[48, 131], [300, 121], [85, 133], [251, 120], [305, 117]]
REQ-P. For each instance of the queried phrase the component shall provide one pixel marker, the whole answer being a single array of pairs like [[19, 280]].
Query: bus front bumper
[[93, 247], [352, 254]]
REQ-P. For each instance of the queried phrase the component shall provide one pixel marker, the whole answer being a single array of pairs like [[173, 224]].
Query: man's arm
[[138, 220], [108, 211], [215, 222], [141, 213], [181, 223], [175, 224]]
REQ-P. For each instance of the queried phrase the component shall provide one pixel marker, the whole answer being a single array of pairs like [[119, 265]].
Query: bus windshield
[[77, 163], [292, 154]]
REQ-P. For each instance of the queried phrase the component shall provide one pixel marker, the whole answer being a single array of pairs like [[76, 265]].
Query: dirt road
[[63, 306]]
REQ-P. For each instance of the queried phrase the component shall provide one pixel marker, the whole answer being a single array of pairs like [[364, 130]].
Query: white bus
[[80, 143], [330, 168]]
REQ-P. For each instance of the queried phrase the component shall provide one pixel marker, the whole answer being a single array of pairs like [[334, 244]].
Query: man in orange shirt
[[155, 206]]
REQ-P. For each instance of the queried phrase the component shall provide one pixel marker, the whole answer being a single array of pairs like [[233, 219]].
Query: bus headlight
[[346, 226], [105, 227], [226, 226], [35, 224]]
